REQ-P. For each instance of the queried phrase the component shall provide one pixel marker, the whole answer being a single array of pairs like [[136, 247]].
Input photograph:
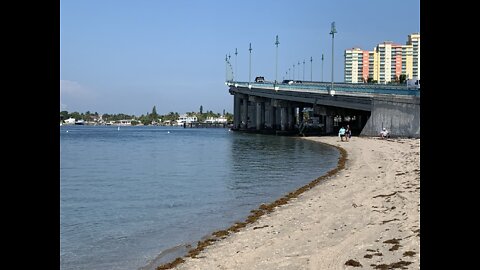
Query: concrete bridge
[[269, 107]]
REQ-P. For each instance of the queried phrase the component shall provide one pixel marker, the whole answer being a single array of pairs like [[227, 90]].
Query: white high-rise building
[[414, 40], [386, 63]]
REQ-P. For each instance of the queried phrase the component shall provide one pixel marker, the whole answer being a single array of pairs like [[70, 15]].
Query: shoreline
[[288, 233], [257, 213]]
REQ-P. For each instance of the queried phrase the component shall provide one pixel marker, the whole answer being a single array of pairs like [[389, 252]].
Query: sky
[[127, 56]]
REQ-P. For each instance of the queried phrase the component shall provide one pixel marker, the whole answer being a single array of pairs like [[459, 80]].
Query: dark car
[[259, 79]]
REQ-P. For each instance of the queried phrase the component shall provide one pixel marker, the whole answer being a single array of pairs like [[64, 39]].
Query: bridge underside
[[288, 112], [264, 112]]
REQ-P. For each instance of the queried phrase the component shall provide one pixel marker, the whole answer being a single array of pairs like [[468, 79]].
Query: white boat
[[69, 121]]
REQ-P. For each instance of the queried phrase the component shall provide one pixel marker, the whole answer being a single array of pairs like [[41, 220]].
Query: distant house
[[184, 119], [125, 122]]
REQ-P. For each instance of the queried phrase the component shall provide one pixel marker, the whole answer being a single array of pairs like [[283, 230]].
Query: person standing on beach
[[341, 133], [348, 133]]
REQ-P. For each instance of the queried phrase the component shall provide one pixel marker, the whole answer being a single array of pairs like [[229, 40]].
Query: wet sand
[[366, 215]]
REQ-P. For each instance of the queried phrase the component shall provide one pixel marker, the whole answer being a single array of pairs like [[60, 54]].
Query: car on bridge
[[291, 81], [260, 79]]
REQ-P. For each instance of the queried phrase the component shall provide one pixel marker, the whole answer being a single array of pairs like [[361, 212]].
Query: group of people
[[345, 133]]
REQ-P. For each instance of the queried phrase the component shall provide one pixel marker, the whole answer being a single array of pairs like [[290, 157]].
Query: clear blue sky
[[126, 56]]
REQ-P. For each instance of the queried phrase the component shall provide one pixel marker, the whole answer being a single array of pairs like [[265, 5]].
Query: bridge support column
[[300, 115], [329, 124], [291, 117], [252, 113], [359, 122], [244, 112], [260, 115], [280, 114], [278, 117], [283, 118], [272, 117], [236, 111], [259, 111]]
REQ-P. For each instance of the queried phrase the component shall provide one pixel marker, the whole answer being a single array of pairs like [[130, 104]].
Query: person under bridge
[[384, 133]]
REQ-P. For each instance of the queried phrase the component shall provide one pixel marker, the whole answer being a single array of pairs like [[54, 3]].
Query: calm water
[[127, 195]]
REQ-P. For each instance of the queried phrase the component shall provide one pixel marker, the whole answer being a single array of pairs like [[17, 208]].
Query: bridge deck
[[365, 90]]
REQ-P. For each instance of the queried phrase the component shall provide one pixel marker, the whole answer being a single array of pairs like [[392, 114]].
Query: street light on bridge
[[236, 62], [322, 67], [276, 58], [304, 69], [298, 70], [230, 65], [293, 72], [311, 69], [332, 32], [226, 68], [250, 65]]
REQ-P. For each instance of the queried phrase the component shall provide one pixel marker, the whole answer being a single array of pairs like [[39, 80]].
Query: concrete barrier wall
[[400, 116]]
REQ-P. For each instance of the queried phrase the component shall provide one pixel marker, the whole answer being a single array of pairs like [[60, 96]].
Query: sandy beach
[[364, 216]]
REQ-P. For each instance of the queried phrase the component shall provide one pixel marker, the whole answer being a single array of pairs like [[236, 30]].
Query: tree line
[[146, 119]]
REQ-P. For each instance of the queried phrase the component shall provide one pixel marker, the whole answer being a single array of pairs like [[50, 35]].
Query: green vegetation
[[152, 118], [371, 80]]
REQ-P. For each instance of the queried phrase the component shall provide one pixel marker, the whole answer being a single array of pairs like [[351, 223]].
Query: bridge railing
[[321, 87]]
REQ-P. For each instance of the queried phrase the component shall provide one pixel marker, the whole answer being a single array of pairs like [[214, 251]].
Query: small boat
[[80, 122]]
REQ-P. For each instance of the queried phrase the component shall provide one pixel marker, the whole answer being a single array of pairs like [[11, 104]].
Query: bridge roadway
[[367, 108]]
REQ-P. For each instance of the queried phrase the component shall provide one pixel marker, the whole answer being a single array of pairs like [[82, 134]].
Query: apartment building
[[385, 63], [414, 41], [357, 68]]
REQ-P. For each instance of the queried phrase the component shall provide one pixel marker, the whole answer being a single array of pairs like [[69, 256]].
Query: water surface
[[128, 194]]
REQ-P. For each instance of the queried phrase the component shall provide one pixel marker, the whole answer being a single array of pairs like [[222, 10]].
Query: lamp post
[[322, 67], [276, 58], [230, 65], [311, 69], [250, 65], [332, 32], [298, 70], [293, 72], [236, 61], [226, 67], [304, 69]]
